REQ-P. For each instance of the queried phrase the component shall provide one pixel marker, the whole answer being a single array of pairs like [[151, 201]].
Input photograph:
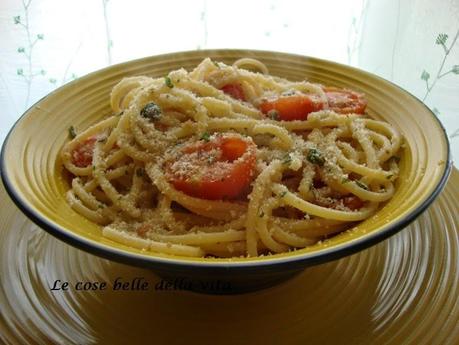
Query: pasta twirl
[[224, 161]]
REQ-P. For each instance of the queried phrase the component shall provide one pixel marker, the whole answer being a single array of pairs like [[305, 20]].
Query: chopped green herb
[[93, 167], [168, 82], [205, 136], [287, 159], [262, 214], [389, 176], [72, 132], [139, 172], [101, 140], [345, 180], [151, 111], [361, 185], [284, 193], [315, 157], [216, 64], [121, 113], [273, 114]]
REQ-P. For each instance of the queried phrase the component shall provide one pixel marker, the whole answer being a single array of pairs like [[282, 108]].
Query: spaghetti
[[223, 161]]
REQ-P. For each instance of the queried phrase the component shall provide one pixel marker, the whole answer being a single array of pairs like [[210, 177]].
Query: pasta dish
[[227, 160]]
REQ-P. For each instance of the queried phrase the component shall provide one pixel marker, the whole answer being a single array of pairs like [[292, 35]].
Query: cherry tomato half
[[221, 168], [289, 108]]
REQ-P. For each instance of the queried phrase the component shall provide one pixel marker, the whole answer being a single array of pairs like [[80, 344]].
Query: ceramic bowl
[[33, 174]]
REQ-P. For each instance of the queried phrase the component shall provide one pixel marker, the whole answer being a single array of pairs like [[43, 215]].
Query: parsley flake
[[168, 82], [205, 136], [72, 132], [287, 159], [361, 185], [315, 157]]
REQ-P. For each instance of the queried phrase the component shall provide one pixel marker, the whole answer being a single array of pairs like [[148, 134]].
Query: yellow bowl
[[32, 171]]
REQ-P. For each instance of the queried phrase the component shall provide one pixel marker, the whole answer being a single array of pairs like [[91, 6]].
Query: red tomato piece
[[221, 168], [352, 202], [234, 90], [289, 108], [233, 149], [345, 101], [82, 155]]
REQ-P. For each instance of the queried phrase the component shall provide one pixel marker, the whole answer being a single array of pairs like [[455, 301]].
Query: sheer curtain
[[46, 43]]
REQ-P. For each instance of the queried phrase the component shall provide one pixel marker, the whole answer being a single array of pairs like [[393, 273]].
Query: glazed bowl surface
[[33, 173]]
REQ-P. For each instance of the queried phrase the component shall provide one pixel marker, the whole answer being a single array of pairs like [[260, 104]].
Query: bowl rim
[[148, 260]]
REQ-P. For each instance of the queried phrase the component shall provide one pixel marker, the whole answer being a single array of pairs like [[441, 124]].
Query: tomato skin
[[353, 202], [233, 149], [234, 90], [298, 107], [82, 155], [228, 188], [345, 101], [289, 108], [225, 176]]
